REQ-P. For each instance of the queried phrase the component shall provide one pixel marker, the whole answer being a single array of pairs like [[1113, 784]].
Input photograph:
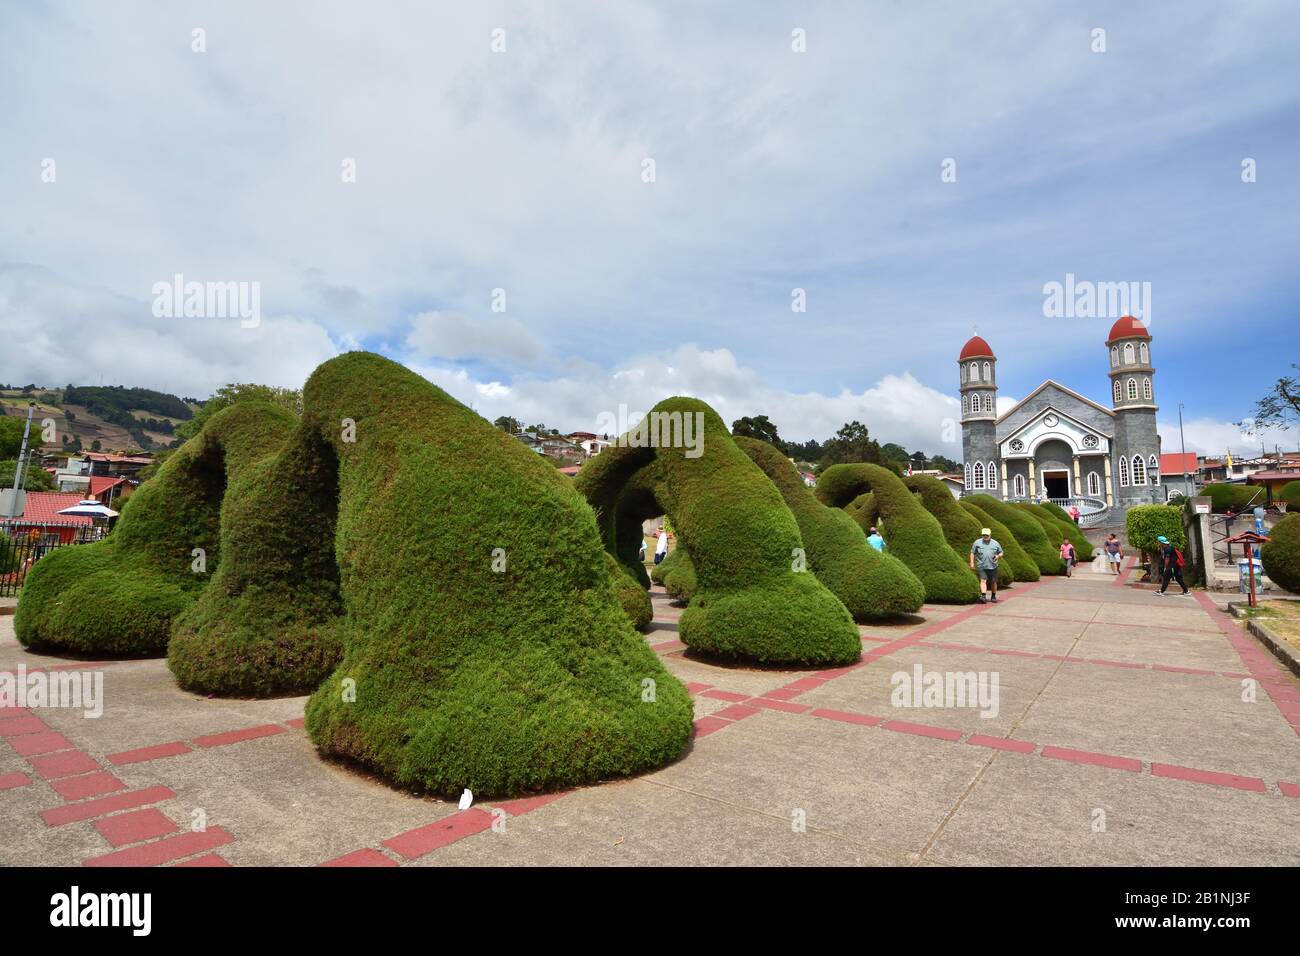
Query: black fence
[[23, 544]]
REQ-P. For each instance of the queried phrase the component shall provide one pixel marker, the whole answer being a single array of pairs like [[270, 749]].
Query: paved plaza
[[1125, 733]]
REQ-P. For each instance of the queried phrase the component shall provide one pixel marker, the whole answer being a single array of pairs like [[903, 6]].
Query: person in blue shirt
[[985, 554], [875, 540]]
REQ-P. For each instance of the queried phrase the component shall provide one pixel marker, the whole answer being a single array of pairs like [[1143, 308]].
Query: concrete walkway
[[1125, 732]]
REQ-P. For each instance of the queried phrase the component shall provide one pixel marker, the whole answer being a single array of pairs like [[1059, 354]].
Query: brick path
[[1121, 737]]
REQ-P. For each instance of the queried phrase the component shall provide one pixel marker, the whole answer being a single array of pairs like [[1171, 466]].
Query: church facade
[[1055, 443]]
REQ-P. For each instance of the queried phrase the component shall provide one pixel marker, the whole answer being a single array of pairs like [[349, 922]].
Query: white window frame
[[979, 474], [1018, 483], [1128, 353], [1123, 472], [1146, 389], [1094, 485], [992, 475], [1132, 390], [1153, 470], [1119, 391], [1146, 355], [1139, 471]]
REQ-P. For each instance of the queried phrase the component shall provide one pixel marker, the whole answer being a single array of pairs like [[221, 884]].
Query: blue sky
[[522, 170]]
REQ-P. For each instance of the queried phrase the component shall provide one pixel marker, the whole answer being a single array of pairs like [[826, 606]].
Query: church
[[1056, 444]]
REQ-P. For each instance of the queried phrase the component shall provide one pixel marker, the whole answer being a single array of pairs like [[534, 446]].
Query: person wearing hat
[[875, 540], [985, 554], [1171, 561]]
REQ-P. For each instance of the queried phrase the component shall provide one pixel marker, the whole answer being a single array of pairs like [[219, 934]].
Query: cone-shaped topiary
[[485, 643], [1026, 529], [960, 528], [751, 598], [912, 534], [871, 585], [1281, 555], [1022, 565], [268, 622], [1082, 546], [121, 595]]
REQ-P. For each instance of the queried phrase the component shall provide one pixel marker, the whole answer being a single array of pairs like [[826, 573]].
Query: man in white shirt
[[661, 548]]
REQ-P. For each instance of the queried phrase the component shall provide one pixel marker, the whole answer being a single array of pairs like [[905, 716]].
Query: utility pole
[[1182, 441], [22, 454]]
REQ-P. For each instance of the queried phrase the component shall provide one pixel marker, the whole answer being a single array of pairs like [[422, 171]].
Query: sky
[[554, 211]]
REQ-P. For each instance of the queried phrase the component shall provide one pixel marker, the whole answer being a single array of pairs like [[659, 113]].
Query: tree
[[11, 435], [1280, 408], [757, 427], [852, 443], [227, 395], [94, 445], [38, 479], [509, 425]]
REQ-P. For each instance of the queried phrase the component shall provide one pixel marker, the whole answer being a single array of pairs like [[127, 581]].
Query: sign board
[[1201, 504]]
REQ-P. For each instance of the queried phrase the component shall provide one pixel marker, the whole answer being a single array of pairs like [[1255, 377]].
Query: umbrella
[[89, 508]]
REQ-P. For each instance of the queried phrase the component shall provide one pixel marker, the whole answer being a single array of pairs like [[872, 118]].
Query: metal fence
[[22, 545]]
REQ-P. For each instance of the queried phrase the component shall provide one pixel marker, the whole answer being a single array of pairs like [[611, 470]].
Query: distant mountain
[[121, 419]]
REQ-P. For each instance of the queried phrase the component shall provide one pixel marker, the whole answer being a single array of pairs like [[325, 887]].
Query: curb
[[1280, 648]]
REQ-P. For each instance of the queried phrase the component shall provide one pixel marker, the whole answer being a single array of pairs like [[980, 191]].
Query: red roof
[[101, 483], [1178, 463], [44, 506], [1262, 476], [976, 346], [1126, 328]]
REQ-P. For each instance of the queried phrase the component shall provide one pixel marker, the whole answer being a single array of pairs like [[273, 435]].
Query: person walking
[[1114, 553], [1074, 514], [985, 554], [1069, 557], [661, 547], [1171, 561], [875, 540]]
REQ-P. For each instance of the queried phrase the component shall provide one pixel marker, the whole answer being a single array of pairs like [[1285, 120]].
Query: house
[[954, 483], [41, 514], [1178, 474], [115, 466]]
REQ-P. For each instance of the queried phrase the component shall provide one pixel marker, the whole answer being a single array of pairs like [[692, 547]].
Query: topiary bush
[[679, 578], [912, 534], [634, 598], [1022, 565], [1281, 555], [1054, 532], [1027, 530], [870, 584], [1290, 493], [960, 527], [1237, 497], [485, 644], [122, 594], [748, 599], [1082, 546], [1144, 523]]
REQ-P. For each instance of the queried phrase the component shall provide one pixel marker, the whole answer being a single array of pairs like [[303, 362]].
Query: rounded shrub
[[1144, 523], [634, 598], [1054, 532], [913, 535], [1290, 493], [122, 594], [1027, 530], [1281, 555], [678, 576], [960, 528], [870, 584], [1237, 497], [1022, 565], [485, 644]]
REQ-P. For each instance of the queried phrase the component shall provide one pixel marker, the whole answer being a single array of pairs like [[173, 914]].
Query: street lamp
[[1183, 442]]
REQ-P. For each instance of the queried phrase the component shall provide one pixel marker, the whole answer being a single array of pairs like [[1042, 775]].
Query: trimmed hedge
[[1013, 553], [634, 598], [122, 594], [1058, 531], [1281, 555], [1290, 493], [1144, 523], [1082, 546], [1224, 496], [749, 602], [485, 644], [862, 509], [678, 577], [960, 527], [871, 585], [1027, 530], [912, 534]]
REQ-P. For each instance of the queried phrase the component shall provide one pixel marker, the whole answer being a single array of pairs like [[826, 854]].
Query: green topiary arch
[[1022, 565], [960, 527], [1027, 530], [911, 533]]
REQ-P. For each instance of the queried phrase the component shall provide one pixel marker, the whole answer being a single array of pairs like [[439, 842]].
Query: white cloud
[[452, 335], [1206, 436]]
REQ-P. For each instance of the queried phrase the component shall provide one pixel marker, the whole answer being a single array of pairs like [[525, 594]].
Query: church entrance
[[1056, 484]]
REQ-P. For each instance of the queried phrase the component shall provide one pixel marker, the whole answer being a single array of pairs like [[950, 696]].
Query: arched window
[[993, 475], [974, 371], [1114, 355], [1139, 471], [1128, 353], [969, 486], [963, 404], [1146, 389], [1123, 472], [988, 372], [1094, 484], [1132, 388], [963, 374], [1153, 467], [1146, 356], [1118, 393], [988, 401], [1019, 484], [979, 474]]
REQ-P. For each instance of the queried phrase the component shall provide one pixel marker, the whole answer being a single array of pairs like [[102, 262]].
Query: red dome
[[975, 347], [1127, 328]]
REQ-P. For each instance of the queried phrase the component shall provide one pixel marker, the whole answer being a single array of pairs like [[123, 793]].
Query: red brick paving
[[135, 827], [72, 812], [421, 841], [164, 851]]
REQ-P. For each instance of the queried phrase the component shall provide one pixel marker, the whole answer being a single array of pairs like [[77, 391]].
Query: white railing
[[1092, 511]]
